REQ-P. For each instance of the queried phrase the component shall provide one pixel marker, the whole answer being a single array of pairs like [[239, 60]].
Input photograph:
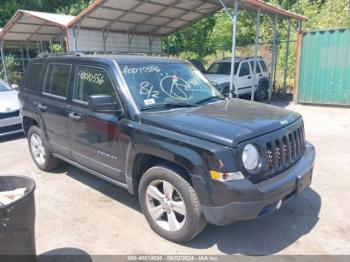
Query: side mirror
[[15, 87], [103, 104]]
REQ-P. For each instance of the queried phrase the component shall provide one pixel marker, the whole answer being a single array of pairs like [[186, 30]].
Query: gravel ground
[[77, 212]]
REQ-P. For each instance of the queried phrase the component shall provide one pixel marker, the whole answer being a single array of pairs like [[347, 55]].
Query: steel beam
[[257, 36]]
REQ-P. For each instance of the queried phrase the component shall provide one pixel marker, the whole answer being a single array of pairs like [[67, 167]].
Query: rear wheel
[[170, 204], [261, 93], [39, 151]]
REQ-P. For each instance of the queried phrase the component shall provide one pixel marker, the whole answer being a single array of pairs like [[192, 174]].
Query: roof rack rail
[[251, 57], [116, 53], [45, 55], [229, 57]]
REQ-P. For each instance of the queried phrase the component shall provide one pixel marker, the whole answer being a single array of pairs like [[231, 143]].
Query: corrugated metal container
[[324, 76]]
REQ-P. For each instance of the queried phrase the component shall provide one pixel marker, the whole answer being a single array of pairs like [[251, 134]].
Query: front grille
[[9, 115], [284, 151]]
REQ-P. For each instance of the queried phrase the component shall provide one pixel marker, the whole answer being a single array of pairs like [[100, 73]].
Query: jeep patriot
[[158, 128]]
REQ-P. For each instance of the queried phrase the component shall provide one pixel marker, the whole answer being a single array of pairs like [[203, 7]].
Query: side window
[[33, 77], [92, 81], [263, 66], [57, 80], [245, 70], [258, 71]]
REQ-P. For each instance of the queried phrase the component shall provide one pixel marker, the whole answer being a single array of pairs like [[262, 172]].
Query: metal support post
[[150, 42], [257, 36], [51, 47], [105, 34], [286, 58], [38, 46], [130, 37], [2, 50], [274, 50], [27, 51], [22, 56], [76, 31], [233, 18]]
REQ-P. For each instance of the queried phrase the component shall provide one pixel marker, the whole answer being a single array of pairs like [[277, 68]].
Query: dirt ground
[[77, 212]]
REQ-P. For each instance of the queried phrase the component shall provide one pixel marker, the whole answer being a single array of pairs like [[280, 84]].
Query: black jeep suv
[[159, 129]]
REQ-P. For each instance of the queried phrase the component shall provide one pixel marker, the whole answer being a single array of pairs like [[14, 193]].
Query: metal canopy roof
[[31, 26], [161, 17]]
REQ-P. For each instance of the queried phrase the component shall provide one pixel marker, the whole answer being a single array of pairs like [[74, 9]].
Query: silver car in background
[[10, 120]]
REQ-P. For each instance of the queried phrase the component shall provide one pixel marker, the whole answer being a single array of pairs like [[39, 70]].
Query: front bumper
[[9, 126], [244, 200]]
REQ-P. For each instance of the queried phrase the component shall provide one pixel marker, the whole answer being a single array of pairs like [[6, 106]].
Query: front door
[[244, 79], [96, 139]]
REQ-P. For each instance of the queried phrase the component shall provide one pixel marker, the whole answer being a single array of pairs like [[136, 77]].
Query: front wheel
[[170, 204]]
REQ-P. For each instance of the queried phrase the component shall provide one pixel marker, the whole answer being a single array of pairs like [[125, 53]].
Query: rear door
[[52, 105], [259, 73], [96, 139], [264, 69], [244, 78]]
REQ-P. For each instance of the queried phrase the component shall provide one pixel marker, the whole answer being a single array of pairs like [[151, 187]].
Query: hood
[[217, 78], [9, 101], [226, 122]]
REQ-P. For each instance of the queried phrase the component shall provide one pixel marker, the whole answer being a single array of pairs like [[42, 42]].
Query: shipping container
[[324, 70]]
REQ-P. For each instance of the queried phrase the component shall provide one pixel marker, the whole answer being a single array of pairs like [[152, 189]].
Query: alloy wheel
[[37, 149], [166, 205]]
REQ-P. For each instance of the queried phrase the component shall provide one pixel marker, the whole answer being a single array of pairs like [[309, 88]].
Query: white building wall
[[92, 40]]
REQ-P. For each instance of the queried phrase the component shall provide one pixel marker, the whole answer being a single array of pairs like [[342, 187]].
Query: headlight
[[250, 157]]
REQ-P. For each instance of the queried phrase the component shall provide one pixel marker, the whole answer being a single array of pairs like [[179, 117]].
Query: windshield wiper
[[208, 99], [168, 105]]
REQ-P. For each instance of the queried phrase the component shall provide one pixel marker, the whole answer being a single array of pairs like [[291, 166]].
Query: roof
[[161, 17], [27, 25]]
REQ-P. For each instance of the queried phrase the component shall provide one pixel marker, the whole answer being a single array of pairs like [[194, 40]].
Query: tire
[[190, 223], [261, 93], [226, 92], [39, 150]]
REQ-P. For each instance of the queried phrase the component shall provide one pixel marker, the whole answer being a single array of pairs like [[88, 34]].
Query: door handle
[[75, 116], [42, 107], [260, 75], [249, 77]]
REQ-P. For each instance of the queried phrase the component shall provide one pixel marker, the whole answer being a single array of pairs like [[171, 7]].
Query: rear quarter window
[[258, 71], [263, 66], [33, 77], [57, 80]]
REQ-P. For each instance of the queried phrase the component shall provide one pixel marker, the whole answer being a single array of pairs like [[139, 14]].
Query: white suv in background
[[219, 74], [10, 120]]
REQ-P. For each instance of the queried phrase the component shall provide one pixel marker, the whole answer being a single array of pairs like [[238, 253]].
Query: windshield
[[178, 84], [4, 87], [222, 68]]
